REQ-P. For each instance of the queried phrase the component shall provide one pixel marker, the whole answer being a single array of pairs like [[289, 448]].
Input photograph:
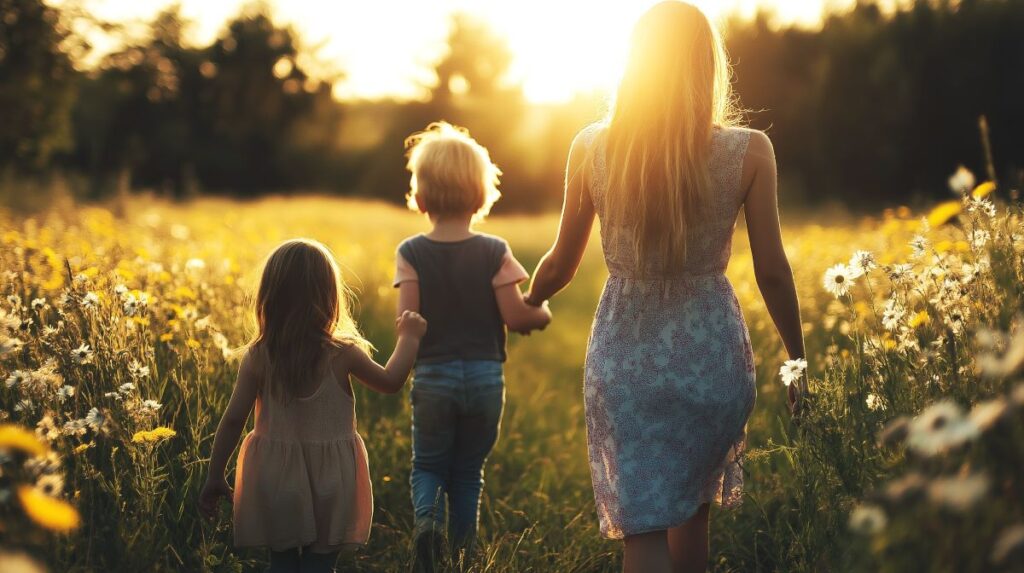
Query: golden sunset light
[[385, 48]]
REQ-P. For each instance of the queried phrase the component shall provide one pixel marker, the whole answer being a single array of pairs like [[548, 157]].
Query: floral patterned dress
[[669, 376]]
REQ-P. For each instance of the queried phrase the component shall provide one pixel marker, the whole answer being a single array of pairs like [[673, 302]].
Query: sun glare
[[385, 48]]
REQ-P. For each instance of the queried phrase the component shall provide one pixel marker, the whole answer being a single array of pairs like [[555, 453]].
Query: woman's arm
[[771, 265], [559, 264], [231, 425], [389, 379]]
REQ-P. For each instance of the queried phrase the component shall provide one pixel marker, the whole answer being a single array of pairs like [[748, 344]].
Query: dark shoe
[[428, 552]]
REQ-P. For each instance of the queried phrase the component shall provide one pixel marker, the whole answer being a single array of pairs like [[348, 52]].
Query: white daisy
[[82, 354], [958, 493], [940, 427], [792, 370], [962, 181], [90, 300], [137, 370], [126, 388], [868, 519], [899, 273], [892, 314], [919, 245], [863, 262], [151, 405], [75, 427], [17, 378], [95, 419], [838, 280], [38, 303], [50, 484], [65, 392]]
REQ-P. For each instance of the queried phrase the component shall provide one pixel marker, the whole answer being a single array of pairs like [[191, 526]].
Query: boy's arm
[[519, 316]]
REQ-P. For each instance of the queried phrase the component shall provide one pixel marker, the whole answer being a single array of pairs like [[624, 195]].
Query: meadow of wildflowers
[[118, 327]]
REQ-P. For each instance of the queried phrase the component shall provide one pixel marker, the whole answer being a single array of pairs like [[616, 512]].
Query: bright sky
[[386, 47]]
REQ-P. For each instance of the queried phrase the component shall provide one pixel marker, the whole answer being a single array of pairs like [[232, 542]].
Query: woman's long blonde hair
[[302, 308], [675, 89]]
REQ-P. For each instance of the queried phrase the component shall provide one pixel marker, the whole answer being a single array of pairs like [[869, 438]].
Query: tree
[[37, 85]]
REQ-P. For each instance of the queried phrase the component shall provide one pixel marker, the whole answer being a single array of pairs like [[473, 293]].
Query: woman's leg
[[313, 562], [688, 543], [286, 561], [647, 553]]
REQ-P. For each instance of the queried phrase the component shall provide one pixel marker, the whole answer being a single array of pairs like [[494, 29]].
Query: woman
[[669, 377]]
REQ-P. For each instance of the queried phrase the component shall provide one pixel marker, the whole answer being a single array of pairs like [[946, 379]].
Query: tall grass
[[158, 296]]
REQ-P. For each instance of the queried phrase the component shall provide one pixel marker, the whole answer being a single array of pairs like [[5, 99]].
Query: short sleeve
[[404, 272], [510, 272]]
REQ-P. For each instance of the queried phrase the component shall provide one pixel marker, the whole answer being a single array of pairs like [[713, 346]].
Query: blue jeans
[[456, 412]]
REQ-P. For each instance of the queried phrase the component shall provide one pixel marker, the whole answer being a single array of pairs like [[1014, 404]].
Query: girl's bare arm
[[391, 378]]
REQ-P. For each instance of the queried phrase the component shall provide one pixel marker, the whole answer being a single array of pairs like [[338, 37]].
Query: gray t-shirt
[[456, 284]]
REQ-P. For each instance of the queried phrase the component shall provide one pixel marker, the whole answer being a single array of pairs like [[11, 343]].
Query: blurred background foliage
[[872, 107]]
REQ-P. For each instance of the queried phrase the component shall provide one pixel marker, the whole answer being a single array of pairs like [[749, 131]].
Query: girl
[[302, 485], [467, 285], [669, 376]]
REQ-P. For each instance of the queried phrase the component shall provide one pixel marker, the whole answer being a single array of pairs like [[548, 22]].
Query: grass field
[[157, 293]]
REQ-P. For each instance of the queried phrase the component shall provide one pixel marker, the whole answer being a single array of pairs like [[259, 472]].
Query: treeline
[[870, 107]]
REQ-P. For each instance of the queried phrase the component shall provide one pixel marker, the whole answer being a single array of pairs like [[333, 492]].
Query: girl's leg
[[313, 562], [286, 561], [647, 553], [688, 543]]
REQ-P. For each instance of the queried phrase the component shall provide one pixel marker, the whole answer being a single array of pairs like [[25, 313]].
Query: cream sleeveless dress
[[669, 376], [302, 476]]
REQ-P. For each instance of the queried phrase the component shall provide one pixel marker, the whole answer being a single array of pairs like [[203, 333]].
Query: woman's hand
[[212, 490], [411, 323]]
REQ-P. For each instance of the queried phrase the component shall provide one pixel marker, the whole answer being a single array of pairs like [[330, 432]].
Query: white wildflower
[[982, 205], [862, 262], [90, 300], [958, 493], [919, 245], [892, 314], [75, 427], [38, 304], [137, 371], [82, 354], [873, 402], [900, 272], [962, 181], [985, 415], [16, 379], [50, 484], [1009, 545], [868, 519], [979, 238], [66, 392], [26, 404], [195, 265], [10, 345], [46, 429], [792, 370], [151, 405], [126, 388], [838, 280], [96, 420], [940, 427]]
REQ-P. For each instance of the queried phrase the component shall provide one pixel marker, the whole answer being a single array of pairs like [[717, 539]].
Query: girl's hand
[[213, 489], [411, 324]]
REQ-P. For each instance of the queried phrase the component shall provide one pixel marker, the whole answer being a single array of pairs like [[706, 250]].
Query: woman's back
[[709, 244]]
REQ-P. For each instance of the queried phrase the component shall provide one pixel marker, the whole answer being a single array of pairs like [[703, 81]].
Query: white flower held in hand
[[792, 370]]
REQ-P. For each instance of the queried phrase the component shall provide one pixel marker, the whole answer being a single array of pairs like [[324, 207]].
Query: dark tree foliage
[[873, 107], [36, 85], [881, 108]]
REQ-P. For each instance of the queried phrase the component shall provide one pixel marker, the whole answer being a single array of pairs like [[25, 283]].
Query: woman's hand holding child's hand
[[411, 324], [213, 489]]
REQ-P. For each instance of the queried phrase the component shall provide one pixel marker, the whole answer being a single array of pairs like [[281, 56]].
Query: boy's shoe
[[428, 553]]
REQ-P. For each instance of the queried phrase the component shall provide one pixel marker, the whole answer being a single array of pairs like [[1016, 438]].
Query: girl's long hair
[[675, 89], [302, 309]]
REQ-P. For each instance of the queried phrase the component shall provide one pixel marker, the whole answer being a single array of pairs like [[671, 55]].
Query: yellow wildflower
[[49, 512], [192, 343], [167, 337], [155, 435], [81, 448], [983, 190], [15, 437], [943, 213], [919, 319]]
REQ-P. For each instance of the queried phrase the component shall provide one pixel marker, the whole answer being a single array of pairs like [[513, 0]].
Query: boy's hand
[[411, 324], [212, 490]]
